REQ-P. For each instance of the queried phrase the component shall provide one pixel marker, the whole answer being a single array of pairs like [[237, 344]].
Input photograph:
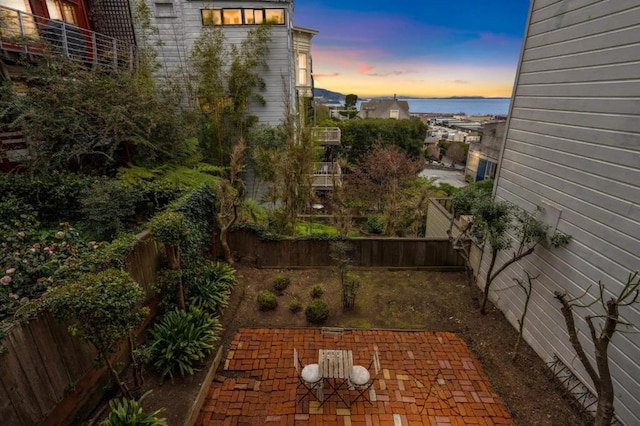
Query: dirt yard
[[433, 301]]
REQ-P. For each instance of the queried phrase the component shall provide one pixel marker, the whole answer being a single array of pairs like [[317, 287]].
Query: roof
[[381, 108]]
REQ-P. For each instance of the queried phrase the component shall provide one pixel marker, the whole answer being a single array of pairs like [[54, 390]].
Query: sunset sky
[[415, 48]]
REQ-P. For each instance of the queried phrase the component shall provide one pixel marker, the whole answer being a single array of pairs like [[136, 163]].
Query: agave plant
[[181, 340], [128, 412]]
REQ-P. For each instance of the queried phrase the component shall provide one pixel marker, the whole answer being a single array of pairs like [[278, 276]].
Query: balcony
[[326, 176], [29, 36], [327, 135]]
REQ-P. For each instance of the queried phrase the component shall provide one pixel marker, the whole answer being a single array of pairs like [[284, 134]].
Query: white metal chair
[[360, 377], [309, 377]]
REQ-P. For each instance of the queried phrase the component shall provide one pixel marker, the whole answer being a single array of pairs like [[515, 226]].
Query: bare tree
[[600, 374], [528, 290], [455, 153]]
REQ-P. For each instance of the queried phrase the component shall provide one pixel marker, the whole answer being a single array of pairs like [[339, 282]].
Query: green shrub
[[295, 306], [267, 301], [317, 291], [212, 289], [317, 312], [128, 412], [375, 224], [181, 339], [280, 283]]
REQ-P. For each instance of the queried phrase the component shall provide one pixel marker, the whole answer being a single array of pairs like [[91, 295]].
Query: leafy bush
[[317, 291], [317, 312], [212, 291], [280, 283], [375, 224], [182, 339], [267, 301], [350, 288], [128, 412], [107, 206], [295, 306]]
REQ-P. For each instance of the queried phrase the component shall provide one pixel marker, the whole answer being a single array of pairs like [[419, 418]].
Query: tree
[[379, 182], [350, 101], [90, 120], [229, 78], [359, 137], [600, 374], [103, 309], [493, 223], [456, 153], [231, 191]]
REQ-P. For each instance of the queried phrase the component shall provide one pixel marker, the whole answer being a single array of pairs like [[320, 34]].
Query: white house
[[180, 23], [572, 148]]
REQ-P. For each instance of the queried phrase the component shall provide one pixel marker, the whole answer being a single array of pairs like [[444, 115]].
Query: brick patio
[[427, 378]]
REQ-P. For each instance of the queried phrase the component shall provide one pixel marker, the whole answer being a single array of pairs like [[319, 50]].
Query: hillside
[[327, 96]]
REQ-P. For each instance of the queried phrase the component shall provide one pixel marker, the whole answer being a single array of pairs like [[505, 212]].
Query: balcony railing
[[327, 175], [327, 135], [30, 34]]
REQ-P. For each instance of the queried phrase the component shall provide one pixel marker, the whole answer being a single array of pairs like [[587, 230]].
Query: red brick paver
[[427, 378]]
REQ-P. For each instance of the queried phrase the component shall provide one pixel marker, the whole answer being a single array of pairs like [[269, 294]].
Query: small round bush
[[267, 301], [317, 312], [280, 283], [375, 224], [295, 306], [317, 291]]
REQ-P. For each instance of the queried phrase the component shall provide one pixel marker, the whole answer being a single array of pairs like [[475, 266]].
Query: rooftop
[[427, 378]]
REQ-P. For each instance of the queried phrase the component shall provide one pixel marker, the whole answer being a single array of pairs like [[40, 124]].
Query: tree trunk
[[487, 282], [116, 378], [228, 256], [173, 257]]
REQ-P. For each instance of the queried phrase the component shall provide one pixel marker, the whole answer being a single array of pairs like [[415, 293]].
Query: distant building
[[484, 152], [385, 108]]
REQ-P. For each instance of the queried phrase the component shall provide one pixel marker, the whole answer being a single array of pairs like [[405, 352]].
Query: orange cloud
[[364, 68]]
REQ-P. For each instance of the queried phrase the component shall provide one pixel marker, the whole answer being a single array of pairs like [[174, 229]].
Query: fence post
[[94, 48]]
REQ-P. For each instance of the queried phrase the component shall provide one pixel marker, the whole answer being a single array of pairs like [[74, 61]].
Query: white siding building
[[180, 23], [572, 147]]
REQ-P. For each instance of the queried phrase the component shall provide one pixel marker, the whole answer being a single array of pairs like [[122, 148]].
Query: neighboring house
[[179, 24], [304, 77], [385, 108], [482, 159], [31, 28], [572, 149]]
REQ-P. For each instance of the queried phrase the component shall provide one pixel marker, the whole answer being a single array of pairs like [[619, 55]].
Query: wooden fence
[[406, 253], [47, 376]]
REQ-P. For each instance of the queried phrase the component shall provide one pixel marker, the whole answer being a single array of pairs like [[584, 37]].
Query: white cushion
[[311, 373], [359, 375]]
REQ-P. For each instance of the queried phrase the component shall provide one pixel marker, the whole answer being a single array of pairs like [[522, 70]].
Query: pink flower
[[5, 280], [36, 246], [48, 249], [10, 271]]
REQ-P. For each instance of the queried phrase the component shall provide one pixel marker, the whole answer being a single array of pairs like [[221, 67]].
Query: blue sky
[[417, 48]]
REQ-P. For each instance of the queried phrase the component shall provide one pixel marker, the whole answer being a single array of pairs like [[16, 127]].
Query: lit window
[[275, 16], [253, 16], [232, 16], [303, 80], [394, 113], [211, 17]]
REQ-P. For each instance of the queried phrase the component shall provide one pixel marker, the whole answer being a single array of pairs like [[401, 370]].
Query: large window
[[242, 16], [303, 80]]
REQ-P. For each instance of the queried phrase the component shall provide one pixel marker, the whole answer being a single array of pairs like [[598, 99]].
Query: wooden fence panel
[[366, 252], [9, 414], [15, 382]]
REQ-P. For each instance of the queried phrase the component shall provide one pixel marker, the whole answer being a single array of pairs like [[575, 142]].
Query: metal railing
[[30, 34], [327, 135], [327, 174]]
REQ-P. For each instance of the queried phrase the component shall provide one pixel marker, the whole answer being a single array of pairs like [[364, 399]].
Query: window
[[212, 17], [275, 16], [62, 11], [394, 113], [231, 16], [303, 80], [241, 16]]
